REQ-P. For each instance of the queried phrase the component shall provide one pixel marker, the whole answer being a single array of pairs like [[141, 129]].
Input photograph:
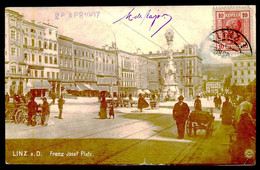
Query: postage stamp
[[232, 30]]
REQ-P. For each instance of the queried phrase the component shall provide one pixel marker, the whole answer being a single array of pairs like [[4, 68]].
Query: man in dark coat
[[197, 103], [7, 98], [61, 102], [32, 108], [180, 113], [45, 111], [227, 112], [216, 101], [219, 102]]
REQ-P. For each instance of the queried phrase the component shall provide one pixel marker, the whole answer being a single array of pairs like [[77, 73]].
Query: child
[[111, 111]]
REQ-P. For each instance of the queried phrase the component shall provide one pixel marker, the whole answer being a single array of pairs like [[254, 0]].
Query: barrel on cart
[[200, 120]]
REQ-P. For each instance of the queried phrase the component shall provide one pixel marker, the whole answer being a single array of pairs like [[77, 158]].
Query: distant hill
[[217, 70]]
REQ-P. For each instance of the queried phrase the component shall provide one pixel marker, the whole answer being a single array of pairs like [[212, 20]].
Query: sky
[[190, 24]]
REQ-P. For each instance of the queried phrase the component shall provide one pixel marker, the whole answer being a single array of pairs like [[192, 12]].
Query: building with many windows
[[243, 69], [127, 72], [15, 63]]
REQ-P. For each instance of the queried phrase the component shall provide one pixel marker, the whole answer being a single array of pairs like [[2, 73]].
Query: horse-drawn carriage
[[18, 113], [199, 119]]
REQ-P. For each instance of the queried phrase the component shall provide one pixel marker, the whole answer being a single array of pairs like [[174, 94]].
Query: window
[[42, 74], [32, 42], [25, 41], [40, 59], [242, 80], [36, 73], [50, 60], [248, 72], [235, 73], [235, 64], [18, 35], [248, 64], [75, 52], [235, 80], [50, 32], [55, 47], [57, 76], [79, 63], [40, 44], [50, 46], [53, 75], [83, 53], [248, 80], [13, 51], [55, 60], [13, 69], [12, 34], [242, 72], [48, 74], [25, 56], [32, 57], [46, 59], [242, 64], [32, 30], [12, 22], [45, 45]]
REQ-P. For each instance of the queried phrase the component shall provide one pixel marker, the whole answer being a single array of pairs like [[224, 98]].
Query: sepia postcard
[[130, 85]]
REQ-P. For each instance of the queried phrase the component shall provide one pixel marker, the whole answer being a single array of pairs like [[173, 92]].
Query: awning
[[140, 91], [38, 84], [70, 87], [147, 91], [94, 86], [82, 87], [103, 88], [88, 86]]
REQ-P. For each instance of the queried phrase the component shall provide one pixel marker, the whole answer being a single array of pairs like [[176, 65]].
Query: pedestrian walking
[[130, 100], [219, 102], [197, 103], [103, 108], [142, 103], [45, 112], [227, 112], [180, 114], [32, 109], [61, 102], [7, 98]]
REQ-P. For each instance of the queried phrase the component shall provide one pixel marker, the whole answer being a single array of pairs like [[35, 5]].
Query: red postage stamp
[[232, 30]]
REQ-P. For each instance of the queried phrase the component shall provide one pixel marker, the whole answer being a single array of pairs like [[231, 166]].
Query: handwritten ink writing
[[131, 17], [80, 15]]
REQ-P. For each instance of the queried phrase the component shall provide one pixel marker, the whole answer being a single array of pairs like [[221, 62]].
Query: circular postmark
[[227, 41], [249, 153]]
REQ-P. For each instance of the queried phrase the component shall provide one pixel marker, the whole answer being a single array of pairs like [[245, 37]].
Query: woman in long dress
[[142, 103], [103, 109]]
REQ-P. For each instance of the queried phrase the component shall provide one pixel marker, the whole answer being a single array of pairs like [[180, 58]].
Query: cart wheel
[[189, 128], [21, 116]]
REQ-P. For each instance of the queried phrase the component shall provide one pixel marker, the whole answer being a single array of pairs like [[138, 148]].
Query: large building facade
[[243, 69], [38, 58]]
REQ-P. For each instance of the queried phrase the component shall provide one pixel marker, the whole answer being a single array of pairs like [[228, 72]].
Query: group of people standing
[[45, 106]]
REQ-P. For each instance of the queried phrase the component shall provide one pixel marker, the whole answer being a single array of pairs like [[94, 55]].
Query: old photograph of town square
[[130, 85]]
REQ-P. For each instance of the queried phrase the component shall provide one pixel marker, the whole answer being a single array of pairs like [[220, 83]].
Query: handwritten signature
[[131, 17]]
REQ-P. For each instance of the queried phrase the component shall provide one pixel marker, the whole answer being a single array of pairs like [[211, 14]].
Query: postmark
[[232, 30]]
